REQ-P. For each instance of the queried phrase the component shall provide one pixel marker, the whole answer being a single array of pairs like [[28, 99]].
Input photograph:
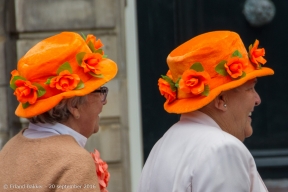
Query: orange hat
[[59, 67], [206, 65]]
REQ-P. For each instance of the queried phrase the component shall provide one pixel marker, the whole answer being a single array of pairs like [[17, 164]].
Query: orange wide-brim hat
[[204, 66], [59, 67]]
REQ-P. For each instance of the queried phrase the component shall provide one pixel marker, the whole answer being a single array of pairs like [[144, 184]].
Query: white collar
[[199, 117], [41, 130]]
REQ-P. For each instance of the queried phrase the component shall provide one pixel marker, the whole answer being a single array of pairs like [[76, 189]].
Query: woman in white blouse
[[211, 83]]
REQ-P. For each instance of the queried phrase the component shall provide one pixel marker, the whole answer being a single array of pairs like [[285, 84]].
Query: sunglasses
[[103, 93]]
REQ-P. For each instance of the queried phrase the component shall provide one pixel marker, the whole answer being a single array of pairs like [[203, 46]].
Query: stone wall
[[26, 22], [3, 80]]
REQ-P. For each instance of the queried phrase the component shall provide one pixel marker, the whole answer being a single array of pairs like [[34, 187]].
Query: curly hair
[[60, 112]]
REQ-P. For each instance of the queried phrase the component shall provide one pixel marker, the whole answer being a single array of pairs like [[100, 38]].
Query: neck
[[220, 117]]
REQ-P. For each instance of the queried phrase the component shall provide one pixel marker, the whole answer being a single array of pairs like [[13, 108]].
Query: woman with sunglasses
[[59, 86]]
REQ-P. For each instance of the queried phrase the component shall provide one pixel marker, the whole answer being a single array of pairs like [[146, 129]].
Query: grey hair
[[60, 112]]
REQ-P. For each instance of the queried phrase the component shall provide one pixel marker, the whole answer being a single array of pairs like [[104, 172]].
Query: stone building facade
[[23, 23]]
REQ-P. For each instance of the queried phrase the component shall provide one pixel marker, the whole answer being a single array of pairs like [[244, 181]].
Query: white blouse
[[196, 155]]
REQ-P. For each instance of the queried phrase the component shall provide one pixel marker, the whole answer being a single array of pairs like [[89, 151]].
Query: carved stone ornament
[[259, 12]]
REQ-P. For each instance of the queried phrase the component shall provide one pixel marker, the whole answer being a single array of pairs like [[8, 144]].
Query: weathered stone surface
[[2, 64], [107, 141], [2, 17], [24, 122], [35, 15], [3, 107], [3, 139], [109, 41], [4, 129], [116, 177], [111, 109], [24, 45], [110, 46]]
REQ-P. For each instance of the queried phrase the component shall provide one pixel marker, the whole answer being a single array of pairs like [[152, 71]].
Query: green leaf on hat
[[170, 81], [243, 74], [79, 57], [177, 82], [91, 46], [250, 47], [220, 69], [96, 75], [15, 78], [80, 85], [105, 56], [41, 91], [206, 90], [65, 66], [25, 105], [237, 54], [197, 67], [100, 51], [48, 80], [83, 36]]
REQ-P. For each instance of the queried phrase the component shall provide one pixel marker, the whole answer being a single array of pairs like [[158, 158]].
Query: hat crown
[[43, 60], [209, 49]]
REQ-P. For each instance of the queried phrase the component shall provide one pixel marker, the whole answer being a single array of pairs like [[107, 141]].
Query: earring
[[225, 105], [77, 117]]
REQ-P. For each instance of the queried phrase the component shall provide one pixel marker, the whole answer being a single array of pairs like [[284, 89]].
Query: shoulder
[[62, 149], [75, 160], [211, 134], [227, 151], [222, 142], [12, 144], [209, 143], [67, 148]]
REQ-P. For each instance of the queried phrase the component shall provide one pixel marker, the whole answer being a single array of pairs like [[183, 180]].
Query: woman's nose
[[257, 99]]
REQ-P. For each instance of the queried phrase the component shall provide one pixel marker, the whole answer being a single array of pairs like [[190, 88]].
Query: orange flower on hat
[[169, 74], [165, 89], [96, 42], [235, 67], [90, 63], [194, 82], [14, 73], [65, 81], [25, 91], [101, 171], [256, 55]]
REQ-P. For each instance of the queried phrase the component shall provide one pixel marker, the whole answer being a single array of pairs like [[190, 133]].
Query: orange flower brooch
[[101, 171]]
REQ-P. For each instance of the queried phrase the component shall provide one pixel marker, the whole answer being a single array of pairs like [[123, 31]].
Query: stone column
[[3, 81]]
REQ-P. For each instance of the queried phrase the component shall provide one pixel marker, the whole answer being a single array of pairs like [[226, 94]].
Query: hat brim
[[191, 104], [108, 72]]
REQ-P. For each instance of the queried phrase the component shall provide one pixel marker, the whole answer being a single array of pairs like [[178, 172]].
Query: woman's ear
[[220, 102], [73, 110]]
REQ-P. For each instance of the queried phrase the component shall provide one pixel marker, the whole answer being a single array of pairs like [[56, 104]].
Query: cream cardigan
[[55, 163]]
